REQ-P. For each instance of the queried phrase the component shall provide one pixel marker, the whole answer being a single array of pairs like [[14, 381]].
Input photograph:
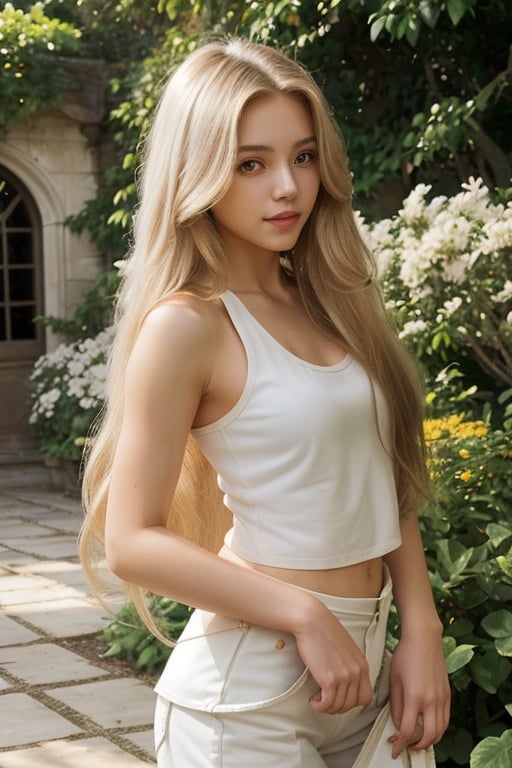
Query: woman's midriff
[[359, 581]]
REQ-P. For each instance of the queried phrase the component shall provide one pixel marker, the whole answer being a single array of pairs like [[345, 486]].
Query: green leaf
[[376, 28], [505, 563], [390, 22], [429, 13], [493, 752], [461, 745], [504, 646], [412, 34], [498, 533], [456, 10], [402, 27], [490, 670], [146, 656], [458, 658], [471, 596], [115, 649], [498, 624], [460, 627]]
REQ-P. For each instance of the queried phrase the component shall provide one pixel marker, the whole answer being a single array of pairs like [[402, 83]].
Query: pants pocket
[[381, 687], [222, 665]]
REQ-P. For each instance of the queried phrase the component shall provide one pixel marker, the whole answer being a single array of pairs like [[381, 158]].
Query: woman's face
[[276, 180]]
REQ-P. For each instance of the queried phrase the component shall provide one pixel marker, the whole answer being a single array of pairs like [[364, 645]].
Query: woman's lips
[[285, 219]]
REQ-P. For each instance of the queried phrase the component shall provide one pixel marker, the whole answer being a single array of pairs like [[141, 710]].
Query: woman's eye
[[248, 166], [305, 158]]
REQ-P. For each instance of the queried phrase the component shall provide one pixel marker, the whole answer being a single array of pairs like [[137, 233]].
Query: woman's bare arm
[[419, 682]]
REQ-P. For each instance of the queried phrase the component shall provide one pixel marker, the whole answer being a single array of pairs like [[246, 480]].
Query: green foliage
[[92, 315], [417, 90], [32, 74], [401, 18], [129, 639], [493, 752], [468, 540]]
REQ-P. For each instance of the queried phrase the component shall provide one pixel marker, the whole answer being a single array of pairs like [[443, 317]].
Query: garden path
[[62, 704]]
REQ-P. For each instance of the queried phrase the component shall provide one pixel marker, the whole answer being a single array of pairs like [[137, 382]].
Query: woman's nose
[[284, 183]]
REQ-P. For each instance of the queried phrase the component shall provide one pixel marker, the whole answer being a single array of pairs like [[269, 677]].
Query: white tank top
[[303, 458]]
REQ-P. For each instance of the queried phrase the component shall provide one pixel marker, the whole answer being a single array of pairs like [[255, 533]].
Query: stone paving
[[58, 709]]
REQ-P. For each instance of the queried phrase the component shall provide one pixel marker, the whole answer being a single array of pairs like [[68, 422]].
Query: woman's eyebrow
[[267, 148]]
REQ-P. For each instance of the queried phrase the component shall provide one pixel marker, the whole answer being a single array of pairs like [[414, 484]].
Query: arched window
[[21, 272]]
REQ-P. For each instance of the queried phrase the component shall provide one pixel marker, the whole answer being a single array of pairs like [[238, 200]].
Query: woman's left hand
[[419, 692]]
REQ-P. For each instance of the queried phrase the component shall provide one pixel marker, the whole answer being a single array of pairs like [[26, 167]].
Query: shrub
[[67, 389], [128, 638], [445, 268], [468, 536]]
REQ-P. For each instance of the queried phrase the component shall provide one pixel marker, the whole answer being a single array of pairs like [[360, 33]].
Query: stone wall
[[56, 157]]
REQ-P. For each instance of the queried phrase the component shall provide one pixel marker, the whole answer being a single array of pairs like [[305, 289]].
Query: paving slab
[[46, 598], [143, 739], [14, 506], [62, 571], [31, 499], [55, 548], [120, 703], [10, 582], [46, 663], [20, 530], [45, 594], [63, 522], [12, 559], [62, 618], [83, 753], [11, 633], [25, 721]]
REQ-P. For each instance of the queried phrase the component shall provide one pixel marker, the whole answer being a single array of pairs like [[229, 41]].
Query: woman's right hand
[[336, 663]]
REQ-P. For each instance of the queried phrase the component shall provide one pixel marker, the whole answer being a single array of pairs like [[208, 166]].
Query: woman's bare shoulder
[[175, 349], [183, 317]]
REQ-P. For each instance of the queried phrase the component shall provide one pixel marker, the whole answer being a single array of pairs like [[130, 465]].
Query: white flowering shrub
[[67, 388], [445, 267]]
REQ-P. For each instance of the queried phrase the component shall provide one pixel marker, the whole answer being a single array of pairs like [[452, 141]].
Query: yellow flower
[[466, 476], [463, 453], [453, 426]]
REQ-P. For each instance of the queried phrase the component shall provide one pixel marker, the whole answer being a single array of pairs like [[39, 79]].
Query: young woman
[[252, 339]]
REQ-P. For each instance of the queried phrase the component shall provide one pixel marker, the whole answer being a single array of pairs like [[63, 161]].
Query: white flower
[[76, 367], [87, 402], [452, 305], [47, 402], [456, 271], [76, 387], [412, 327], [505, 294], [414, 204]]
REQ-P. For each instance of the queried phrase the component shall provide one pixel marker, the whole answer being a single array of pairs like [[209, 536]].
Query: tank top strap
[[243, 321]]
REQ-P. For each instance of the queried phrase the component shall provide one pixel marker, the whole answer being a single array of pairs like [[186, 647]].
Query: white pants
[[237, 696]]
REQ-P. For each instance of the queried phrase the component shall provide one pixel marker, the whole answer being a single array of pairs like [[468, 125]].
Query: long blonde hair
[[189, 163]]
